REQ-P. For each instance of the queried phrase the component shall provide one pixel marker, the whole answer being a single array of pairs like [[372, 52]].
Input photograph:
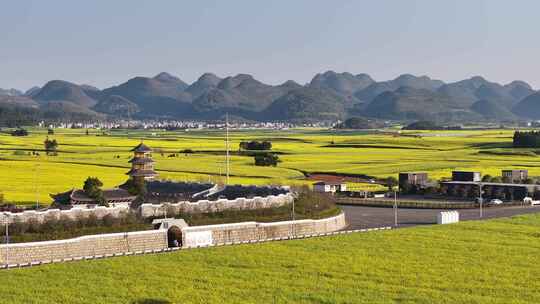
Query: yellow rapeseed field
[[28, 178]]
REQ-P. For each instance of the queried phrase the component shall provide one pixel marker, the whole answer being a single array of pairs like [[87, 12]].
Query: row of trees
[[505, 179], [488, 192], [256, 145], [524, 139]]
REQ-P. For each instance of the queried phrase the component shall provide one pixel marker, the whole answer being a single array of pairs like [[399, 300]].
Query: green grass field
[[26, 178], [493, 261]]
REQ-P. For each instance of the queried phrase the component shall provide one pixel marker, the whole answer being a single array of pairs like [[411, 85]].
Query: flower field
[[26, 178]]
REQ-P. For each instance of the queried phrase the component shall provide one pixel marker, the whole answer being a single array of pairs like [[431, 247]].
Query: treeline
[[429, 125], [526, 139], [256, 145], [15, 116]]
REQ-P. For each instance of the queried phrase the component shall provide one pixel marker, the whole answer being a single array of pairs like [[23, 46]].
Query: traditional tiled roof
[[141, 160], [78, 196], [141, 172], [329, 183], [142, 148]]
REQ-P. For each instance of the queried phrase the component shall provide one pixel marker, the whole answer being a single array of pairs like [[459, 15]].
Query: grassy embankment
[[492, 261]]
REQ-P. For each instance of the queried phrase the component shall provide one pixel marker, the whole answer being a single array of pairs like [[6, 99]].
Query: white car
[[530, 201], [496, 201]]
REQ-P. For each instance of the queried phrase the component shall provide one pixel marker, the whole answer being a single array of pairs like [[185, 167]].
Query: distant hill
[[117, 106], [19, 101], [408, 103], [492, 110], [205, 83], [241, 94], [68, 111], [406, 80], [59, 90], [529, 107], [32, 91], [328, 96], [144, 89], [161, 96], [341, 83], [10, 92], [172, 80], [463, 92], [307, 104], [519, 89]]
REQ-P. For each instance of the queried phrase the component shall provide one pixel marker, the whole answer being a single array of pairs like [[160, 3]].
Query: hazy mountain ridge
[[328, 96]]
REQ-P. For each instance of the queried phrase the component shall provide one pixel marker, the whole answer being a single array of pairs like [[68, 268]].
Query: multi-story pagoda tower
[[142, 164]]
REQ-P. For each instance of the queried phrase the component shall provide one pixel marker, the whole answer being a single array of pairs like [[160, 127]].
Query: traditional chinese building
[[142, 164], [77, 197]]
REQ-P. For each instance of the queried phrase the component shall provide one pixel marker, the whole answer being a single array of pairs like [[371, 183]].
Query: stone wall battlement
[[72, 214], [206, 206]]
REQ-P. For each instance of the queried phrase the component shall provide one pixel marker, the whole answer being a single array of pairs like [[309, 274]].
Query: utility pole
[[7, 239], [395, 209], [293, 218], [481, 201], [36, 168], [227, 145]]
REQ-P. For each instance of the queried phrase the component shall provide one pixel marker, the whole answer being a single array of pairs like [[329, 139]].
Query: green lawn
[[472, 262], [27, 178]]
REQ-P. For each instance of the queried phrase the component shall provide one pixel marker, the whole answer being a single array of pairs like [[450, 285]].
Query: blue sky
[[107, 42]]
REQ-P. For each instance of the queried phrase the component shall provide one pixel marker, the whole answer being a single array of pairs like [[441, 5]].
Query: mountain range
[[328, 96]]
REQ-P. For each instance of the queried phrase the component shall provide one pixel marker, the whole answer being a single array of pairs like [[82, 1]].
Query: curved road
[[360, 217]]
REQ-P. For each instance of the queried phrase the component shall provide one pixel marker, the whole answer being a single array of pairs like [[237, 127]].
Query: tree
[[135, 187], [422, 125], [255, 145], [19, 132], [391, 182], [50, 146], [486, 178], [526, 139], [507, 179], [496, 179], [266, 159], [92, 188], [529, 181]]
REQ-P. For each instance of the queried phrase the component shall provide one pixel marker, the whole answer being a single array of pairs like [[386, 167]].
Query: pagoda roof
[[141, 160], [141, 148], [141, 172]]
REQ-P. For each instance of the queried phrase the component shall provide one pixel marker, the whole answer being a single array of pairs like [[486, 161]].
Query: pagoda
[[142, 164]]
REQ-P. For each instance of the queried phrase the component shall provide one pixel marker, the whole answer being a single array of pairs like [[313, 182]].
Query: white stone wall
[[84, 246], [153, 210], [73, 213], [253, 231], [205, 206], [103, 245]]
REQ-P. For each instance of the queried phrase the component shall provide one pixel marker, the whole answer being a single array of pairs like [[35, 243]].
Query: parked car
[[496, 201], [530, 201]]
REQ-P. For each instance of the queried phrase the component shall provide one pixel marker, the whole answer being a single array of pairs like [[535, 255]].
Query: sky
[[104, 43]]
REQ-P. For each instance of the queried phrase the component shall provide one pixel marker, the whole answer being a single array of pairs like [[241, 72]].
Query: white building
[[329, 187]]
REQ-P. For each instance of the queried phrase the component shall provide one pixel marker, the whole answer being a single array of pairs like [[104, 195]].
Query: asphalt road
[[360, 217]]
